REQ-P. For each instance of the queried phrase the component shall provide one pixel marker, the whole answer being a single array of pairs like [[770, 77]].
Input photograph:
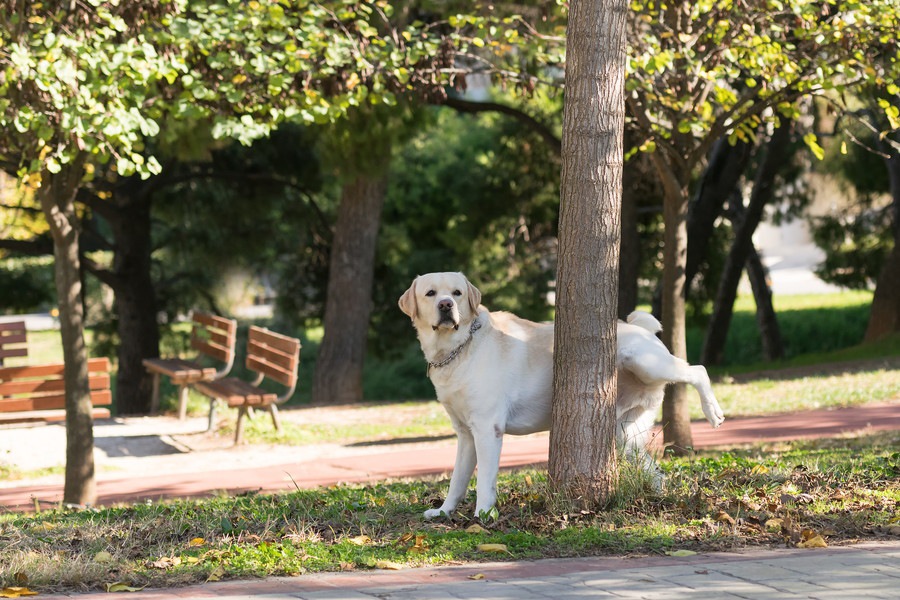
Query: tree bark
[[766, 319], [885, 316], [339, 364], [135, 305], [675, 412], [763, 191], [726, 165], [57, 197], [629, 254], [582, 462]]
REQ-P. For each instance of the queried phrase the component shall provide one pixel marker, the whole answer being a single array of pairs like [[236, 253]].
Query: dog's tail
[[645, 320]]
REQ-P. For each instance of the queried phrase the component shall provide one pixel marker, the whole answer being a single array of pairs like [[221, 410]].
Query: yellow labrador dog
[[493, 373]]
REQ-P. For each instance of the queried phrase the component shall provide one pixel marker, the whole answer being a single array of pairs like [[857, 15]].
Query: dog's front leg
[[488, 444], [462, 473]]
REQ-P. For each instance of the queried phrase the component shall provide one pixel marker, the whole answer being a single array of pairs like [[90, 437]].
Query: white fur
[[501, 382]]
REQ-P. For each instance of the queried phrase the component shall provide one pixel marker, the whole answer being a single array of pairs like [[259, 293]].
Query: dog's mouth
[[447, 320]]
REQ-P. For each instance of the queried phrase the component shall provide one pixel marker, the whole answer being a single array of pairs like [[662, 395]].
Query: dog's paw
[[433, 513], [714, 415]]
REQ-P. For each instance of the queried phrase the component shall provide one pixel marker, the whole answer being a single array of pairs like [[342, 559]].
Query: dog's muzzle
[[446, 314]]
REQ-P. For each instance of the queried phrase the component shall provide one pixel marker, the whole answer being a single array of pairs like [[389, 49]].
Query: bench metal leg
[[275, 420], [154, 400], [239, 428], [213, 404], [182, 401]]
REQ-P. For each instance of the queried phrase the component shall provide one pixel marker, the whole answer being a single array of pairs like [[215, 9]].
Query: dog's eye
[[430, 293], [457, 293]]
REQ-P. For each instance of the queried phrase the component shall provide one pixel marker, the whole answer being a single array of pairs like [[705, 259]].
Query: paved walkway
[[284, 469], [862, 572]]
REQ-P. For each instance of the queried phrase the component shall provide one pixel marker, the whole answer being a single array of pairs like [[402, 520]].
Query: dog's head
[[440, 301]]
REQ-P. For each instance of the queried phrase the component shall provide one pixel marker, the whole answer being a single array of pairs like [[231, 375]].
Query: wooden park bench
[[38, 392], [13, 340], [269, 354], [213, 338]]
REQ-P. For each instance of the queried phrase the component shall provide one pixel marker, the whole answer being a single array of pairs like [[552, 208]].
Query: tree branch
[[542, 129]]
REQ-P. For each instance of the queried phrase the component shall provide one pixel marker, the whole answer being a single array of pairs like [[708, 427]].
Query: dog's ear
[[408, 303], [474, 296]]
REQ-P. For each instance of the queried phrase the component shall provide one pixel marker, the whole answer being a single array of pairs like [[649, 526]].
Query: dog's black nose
[[445, 305]]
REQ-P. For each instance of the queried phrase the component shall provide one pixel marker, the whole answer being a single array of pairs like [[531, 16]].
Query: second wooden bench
[[269, 354], [38, 392]]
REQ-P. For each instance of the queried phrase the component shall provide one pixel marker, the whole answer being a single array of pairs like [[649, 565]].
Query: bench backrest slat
[[274, 355], [13, 340], [42, 387], [214, 336]]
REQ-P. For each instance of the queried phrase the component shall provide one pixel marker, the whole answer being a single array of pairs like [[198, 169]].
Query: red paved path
[[416, 463]]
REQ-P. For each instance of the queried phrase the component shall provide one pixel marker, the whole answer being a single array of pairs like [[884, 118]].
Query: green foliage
[[742, 62], [26, 285]]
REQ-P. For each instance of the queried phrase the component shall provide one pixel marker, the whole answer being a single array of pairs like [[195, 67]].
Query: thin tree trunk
[[629, 255], [582, 462], [135, 306], [766, 318], [763, 190], [726, 165], [885, 316], [675, 413], [57, 197], [339, 364]]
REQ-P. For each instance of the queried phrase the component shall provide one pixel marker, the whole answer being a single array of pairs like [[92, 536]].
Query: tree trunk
[[885, 316], [722, 174], [766, 319], [339, 364], [629, 254], [675, 413], [763, 190], [57, 196], [582, 461], [135, 305]]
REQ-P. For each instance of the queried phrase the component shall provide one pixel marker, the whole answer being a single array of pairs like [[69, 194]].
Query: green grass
[[766, 496]]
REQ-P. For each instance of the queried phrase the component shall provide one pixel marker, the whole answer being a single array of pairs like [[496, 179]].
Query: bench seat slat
[[236, 392], [179, 370], [42, 416]]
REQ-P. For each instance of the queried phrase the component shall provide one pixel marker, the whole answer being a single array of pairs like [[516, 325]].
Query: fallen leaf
[[16, 592], [406, 537], [103, 557], [217, 574], [528, 481], [477, 576], [44, 527], [420, 545], [894, 529], [476, 528], [388, 565], [122, 587], [198, 541], [813, 542], [724, 517], [491, 548], [774, 524], [360, 540], [759, 470], [681, 553]]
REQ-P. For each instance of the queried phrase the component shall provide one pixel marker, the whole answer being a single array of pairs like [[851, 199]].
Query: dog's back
[[645, 320]]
